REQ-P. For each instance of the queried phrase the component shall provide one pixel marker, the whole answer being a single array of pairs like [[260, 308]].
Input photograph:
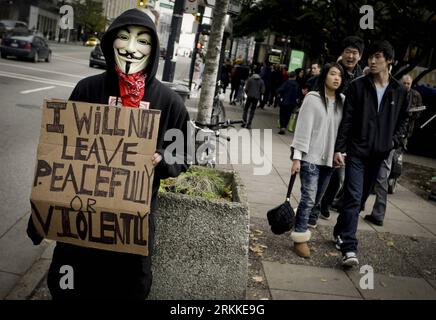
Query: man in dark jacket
[[254, 90], [288, 93], [265, 74], [374, 122], [352, 49], [312, 80], [131, 49]]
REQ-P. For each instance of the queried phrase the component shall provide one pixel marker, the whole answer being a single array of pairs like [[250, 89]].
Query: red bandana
[[131, 87]]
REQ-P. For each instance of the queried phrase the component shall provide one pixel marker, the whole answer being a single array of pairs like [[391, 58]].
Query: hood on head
[[128, 18], [256, 76]]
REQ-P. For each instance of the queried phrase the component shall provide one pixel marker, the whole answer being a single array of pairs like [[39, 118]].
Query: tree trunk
[[212, 61]]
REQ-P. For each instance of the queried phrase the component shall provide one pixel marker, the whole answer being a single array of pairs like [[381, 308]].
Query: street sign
[[191, 6], [297, 58], [274, 58], [234, 6]]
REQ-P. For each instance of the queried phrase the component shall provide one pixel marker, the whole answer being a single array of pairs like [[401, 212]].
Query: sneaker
[[350, 259], [370, 218], [281, 131], [325, 215], [243, 125], [312, 224], [338, 242]]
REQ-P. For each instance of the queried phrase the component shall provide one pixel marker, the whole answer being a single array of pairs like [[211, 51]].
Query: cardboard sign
[[94, 175]]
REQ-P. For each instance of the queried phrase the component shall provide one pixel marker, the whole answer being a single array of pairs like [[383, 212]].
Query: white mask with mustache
[[132, 47]]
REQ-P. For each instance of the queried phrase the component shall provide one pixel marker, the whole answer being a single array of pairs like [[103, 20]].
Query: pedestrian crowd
[[352, 126]]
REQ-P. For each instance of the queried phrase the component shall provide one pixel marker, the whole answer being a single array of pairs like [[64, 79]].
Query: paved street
[[23, 87]]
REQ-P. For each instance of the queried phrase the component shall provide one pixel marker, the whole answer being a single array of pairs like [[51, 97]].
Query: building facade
[[40, 15]]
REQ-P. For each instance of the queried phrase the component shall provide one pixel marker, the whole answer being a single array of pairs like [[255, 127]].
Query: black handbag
[[281, 218]]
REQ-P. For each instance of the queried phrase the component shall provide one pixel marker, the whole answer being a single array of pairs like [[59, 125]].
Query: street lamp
[[286, 40]]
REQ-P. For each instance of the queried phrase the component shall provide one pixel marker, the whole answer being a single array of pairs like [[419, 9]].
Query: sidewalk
[[402, 253]]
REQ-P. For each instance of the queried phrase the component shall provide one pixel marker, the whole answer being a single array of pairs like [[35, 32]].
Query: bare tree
[[212, 61]]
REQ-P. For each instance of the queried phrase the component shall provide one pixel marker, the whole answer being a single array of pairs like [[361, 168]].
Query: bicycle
[[218, 111], [241, 96], [210, 134]]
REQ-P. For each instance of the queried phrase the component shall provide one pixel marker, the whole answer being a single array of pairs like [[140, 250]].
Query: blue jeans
[[360, 176], [314, 182]]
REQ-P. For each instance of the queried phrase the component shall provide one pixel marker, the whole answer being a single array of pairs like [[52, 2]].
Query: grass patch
[[202, 182]]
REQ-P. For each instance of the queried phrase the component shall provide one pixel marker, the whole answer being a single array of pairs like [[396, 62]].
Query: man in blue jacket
[[374, 122]]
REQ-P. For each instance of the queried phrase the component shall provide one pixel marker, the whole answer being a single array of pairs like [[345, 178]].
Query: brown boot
[[302, 249], [301, 239]]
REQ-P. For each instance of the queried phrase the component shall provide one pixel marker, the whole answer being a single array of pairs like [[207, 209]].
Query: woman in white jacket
[[313, 150]]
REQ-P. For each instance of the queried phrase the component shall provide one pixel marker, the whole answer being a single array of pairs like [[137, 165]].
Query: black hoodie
[[107, 274]]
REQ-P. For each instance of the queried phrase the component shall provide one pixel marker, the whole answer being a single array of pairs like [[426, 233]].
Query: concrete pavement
[[401, 254]]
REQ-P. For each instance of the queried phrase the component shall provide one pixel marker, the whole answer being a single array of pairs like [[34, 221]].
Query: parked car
[[423, 139], [31, 47], [93, 41], [8, 26], [96, 58]]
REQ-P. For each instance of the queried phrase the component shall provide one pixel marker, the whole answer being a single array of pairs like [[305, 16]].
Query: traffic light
[[142, 3]]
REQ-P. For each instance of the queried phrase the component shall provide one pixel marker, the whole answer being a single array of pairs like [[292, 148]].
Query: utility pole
[[176, 25]]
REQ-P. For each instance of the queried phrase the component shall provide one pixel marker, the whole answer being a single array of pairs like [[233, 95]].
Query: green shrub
[[200, 181]]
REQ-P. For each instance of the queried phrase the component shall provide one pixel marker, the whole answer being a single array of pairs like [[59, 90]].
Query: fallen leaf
[[257, 248], [263, 246], [384, 285], [323, 280], [333, 254], [390, 243], [257, 279], [258, 232]]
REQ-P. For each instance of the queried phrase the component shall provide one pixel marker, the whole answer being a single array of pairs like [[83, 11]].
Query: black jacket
[[289, 93], [364, 131], [348, 77], [106, 274]]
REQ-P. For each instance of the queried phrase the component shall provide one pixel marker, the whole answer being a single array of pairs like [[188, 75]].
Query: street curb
[[32, 278]]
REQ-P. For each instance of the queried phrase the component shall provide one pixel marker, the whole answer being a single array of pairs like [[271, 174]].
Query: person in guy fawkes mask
[[131, 49]]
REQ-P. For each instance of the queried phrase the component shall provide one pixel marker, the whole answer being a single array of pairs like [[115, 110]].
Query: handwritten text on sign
[[94, 176]]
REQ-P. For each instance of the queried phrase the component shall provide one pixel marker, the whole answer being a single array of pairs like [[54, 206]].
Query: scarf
[[132, 87]]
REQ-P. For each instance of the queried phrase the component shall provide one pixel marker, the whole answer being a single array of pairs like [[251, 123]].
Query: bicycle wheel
[[218, 113]]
